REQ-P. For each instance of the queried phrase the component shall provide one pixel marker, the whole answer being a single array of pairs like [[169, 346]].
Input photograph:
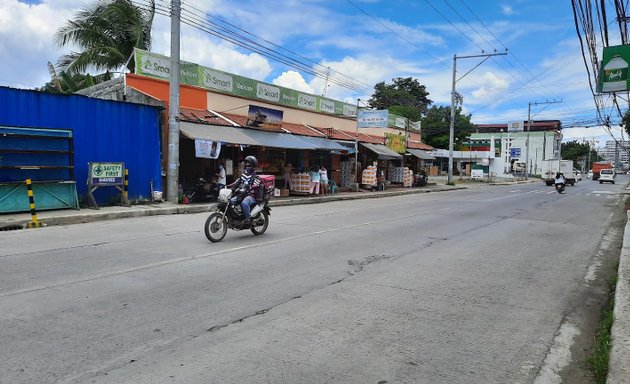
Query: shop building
[[277, 125]]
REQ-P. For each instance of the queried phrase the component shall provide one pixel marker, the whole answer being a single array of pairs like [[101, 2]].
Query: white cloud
[[293, 80], [507, 10], [491, 84], [26, 40]]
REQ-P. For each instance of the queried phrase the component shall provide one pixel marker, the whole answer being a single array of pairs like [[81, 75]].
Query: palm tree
[[107, 32]]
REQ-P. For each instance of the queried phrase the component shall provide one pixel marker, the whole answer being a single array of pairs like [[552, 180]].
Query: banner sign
[[396, 142], [515, 126], [260, 117], [158, 66], [207, 149], [372, 118], [106, 174], [613, 73]]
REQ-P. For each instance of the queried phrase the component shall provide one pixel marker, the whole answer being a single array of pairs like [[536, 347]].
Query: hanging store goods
[[158, 66], [614, 69], [207, 149]]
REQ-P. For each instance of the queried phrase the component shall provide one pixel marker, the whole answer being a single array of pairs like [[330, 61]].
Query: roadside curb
[[619, 360], [67, 217]]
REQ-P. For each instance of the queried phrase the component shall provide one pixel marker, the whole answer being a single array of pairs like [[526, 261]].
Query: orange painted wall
[[189, 97]]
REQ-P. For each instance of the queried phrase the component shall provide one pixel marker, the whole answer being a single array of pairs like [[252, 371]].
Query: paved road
[[456, 287]]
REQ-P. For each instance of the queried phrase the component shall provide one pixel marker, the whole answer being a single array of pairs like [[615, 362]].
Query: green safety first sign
[[106, 174]]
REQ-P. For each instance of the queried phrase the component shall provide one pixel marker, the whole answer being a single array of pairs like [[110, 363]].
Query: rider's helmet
[[250, 163]]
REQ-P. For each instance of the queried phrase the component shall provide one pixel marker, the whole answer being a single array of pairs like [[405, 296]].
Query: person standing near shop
[[286, 175], [221, 177], [314, 174], [323, 180]]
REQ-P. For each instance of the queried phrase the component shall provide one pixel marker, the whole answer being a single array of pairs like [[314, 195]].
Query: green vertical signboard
[[613, 73]]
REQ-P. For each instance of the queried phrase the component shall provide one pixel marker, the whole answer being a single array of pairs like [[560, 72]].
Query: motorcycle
[[203, 191], [229, 215], [560, 187]]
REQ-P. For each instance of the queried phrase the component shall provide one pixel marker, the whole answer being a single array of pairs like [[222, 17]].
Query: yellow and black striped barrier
[[126, 184], [34, 223]]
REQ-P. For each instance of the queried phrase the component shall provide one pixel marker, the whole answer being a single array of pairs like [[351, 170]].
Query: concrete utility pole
[[529, 128], [451, 136], [172, 173]]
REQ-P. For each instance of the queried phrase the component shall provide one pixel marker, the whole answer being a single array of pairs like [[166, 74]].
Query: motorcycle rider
[[247, 185], [560, 181]]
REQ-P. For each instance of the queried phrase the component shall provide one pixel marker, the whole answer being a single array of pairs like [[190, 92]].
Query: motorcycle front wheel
[[216, 227], [260, 223]]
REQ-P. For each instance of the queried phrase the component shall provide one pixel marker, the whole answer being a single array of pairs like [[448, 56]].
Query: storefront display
[[301, 183], [368, 177]]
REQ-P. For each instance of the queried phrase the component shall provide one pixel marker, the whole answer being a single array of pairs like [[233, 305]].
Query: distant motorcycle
[[560, 187], [230, 215]]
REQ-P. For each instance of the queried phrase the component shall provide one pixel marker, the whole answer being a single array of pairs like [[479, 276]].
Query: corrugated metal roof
[[226, 134], [424, 155], [278, 140], [323, 143], [382, 151]]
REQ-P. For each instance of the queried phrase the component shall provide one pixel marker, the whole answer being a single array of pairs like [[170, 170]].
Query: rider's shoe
[[247, 222]]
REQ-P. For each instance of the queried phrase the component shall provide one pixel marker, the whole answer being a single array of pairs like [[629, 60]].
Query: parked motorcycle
[[203, 191], [560, 187], [228, 215]]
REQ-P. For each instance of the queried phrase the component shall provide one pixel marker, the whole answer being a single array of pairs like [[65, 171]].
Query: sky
[[366, 42]]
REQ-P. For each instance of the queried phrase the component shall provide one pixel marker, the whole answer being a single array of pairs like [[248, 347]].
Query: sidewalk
[[85, 215]]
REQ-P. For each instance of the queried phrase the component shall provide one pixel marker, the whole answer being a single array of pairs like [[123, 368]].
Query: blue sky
[[368, 41]]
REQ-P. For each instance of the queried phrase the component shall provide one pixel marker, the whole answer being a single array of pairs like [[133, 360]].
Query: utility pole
[[529, 128], [451, 136], [172, 179]]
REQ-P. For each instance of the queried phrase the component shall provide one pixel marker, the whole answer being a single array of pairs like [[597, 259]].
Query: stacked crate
[[346, 173], [407, 178], [368, 177], [301, 182]]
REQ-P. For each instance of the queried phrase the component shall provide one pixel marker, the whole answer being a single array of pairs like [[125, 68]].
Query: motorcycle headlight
[[225, 194]]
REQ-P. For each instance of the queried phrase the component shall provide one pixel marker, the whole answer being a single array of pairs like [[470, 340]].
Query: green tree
[[578, 152], [405, 97], [106, 34], [436, 127]]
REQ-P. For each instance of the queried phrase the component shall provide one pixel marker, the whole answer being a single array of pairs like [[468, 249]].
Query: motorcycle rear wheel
[[216, 227], [260, 223]]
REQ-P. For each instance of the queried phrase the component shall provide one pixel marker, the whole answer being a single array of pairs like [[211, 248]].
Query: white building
[[507, 151], [612, 150]]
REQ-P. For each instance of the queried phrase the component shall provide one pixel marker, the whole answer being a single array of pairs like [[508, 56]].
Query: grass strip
[[598, 362]]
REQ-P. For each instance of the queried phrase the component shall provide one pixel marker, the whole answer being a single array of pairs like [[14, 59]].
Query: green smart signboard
[[613, 73], [158, 66]]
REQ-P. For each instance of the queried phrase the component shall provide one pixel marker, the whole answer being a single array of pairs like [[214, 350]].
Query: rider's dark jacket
[[251, 183]]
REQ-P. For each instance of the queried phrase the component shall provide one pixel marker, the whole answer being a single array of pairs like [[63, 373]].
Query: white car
[[589, 175], [607, 175]]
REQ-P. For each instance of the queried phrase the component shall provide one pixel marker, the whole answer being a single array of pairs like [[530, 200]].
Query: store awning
[[221, 133], [383, 152], [349, 145], [278, 140], [323, 143], [420, 154]]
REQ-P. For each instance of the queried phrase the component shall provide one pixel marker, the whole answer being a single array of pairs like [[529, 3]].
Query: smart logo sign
[[158, 66]]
